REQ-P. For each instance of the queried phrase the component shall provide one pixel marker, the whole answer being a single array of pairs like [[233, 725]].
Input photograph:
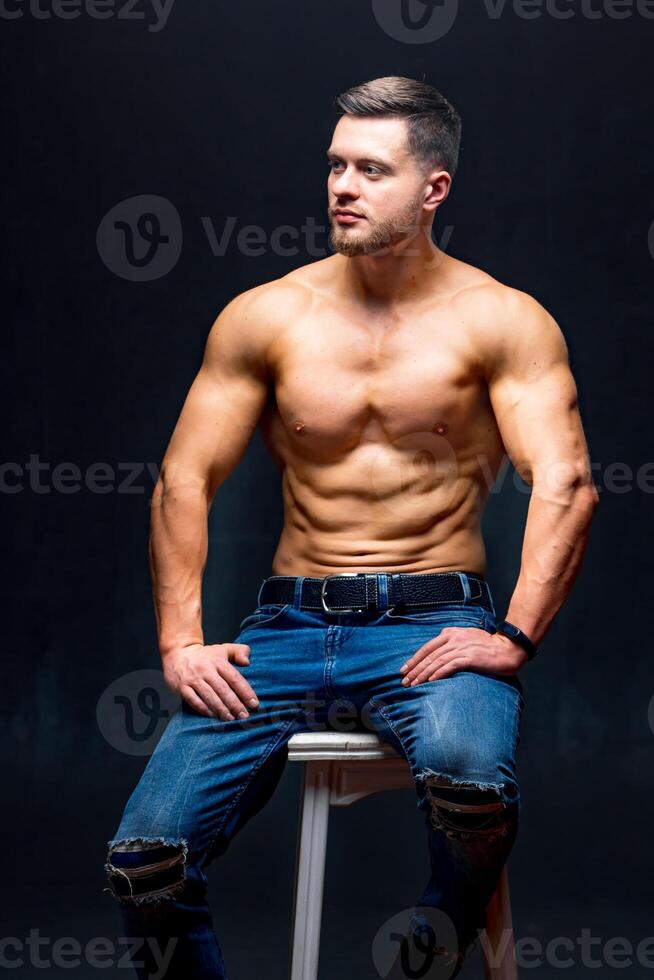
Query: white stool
[[342, 767]]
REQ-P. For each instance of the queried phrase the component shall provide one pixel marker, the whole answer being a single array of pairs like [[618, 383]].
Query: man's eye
[[374, 169]]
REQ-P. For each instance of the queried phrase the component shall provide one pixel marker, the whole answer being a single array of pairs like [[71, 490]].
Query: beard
[[383, 234]]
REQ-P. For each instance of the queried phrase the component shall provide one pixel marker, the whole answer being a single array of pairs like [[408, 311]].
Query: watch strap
[[515, 633]]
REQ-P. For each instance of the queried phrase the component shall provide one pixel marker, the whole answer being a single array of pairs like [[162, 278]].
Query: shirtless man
[[390, 380]]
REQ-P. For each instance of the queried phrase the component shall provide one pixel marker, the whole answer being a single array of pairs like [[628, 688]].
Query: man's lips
[[347, 217]]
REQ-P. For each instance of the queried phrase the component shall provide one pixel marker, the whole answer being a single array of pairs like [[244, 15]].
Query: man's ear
[[438, 187]]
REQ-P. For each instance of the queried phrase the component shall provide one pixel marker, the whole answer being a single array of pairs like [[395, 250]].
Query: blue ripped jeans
[[207, 777]]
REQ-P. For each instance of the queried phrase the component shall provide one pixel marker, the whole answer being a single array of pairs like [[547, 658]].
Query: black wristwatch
[[515, 633]]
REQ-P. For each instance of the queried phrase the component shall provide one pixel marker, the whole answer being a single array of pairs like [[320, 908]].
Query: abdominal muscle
[[413, 504]]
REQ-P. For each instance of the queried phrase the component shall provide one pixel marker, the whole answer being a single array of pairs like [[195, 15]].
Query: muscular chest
[[335, 390]]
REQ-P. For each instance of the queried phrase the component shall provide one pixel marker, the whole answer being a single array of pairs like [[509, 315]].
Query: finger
[[422, 672], [428, 657], [485, 664], [212, 700], [233, 649], [438, 662], [415, 663], [195, 702], [421, 652], [417, 669], [450, 640], [227, 694], [237, 683], [451, 667], [240, 652], [224, 652]]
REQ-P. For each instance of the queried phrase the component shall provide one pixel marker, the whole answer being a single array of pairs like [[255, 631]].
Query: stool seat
[[337, 745], [340, 768]]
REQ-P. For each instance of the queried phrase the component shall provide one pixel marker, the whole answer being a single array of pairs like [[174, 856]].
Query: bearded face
[[370, 235]]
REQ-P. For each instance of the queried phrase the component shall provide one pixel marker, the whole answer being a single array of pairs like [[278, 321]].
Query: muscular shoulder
[[247, 327], [509, 330]]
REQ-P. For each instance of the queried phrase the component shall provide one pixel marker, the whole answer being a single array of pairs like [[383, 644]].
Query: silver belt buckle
[[323, 589]]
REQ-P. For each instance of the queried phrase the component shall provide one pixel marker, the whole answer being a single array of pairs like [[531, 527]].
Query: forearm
[[554, 543], [178, 553]]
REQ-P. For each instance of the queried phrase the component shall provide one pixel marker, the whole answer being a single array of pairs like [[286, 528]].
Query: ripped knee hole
[[464, 811], [146, 870]]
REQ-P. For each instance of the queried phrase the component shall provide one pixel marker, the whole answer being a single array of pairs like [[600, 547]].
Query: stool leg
[[310, 870], [498, 945]]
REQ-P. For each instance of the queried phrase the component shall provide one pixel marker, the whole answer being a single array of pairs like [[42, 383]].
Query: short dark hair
[[434, 130]]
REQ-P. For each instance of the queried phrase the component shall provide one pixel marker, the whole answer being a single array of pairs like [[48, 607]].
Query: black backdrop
[[223, 114]]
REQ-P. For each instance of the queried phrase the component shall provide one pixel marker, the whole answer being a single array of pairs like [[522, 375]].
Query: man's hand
[[463, 648], [205, 678]]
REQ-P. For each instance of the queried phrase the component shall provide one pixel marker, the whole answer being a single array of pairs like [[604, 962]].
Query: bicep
[[534, 398], [221, 410]]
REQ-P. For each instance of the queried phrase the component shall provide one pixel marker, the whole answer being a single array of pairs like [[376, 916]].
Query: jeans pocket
[[490, 621], [263, 615], [445, 615]]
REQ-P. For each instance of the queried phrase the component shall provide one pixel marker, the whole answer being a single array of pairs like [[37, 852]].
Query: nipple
[[299, 426], [440, 428]]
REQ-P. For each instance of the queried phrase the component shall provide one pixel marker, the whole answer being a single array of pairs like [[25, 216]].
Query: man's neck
[[405, 272]]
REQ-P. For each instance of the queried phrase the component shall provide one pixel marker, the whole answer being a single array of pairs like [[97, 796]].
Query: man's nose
[[344, 185]]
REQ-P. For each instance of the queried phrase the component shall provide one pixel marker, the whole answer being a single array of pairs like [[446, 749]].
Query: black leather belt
[[362, 591]]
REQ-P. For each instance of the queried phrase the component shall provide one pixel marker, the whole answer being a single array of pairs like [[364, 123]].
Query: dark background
[[225, 113]]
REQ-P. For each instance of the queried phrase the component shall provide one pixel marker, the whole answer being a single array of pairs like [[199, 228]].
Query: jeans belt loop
[[465, 585], [372, 591], [396, 588], [382, 590], [297, 595]]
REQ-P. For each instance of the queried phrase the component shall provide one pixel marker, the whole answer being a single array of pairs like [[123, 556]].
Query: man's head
[[392, 158]]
